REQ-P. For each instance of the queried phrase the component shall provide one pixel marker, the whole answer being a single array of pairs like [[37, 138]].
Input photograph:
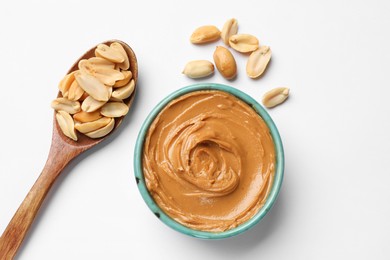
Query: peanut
[[90, 104], [109, 53], [275, 97], [229, 28], [123, 92], [66, 105], [125, 65], [127, 77], [258, 61], [205, 34], [85, 117], [114, 109], [93, 125], [93, 86], [102, 131], [225, 62], [244, 42], [66, 123], [198, 69]]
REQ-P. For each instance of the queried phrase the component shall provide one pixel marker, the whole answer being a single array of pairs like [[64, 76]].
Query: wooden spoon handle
[[10, 241]]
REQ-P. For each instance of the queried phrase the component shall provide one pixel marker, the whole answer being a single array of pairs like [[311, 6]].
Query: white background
[[334, 55]]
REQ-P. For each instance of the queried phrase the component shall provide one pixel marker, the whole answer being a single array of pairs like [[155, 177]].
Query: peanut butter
[[208, 160]]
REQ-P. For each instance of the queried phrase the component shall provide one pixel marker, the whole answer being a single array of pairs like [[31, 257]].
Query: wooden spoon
[[62, 151]]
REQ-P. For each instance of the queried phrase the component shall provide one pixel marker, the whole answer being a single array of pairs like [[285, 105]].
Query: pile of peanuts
[[92, 95]]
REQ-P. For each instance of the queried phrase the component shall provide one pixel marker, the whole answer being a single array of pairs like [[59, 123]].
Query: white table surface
[[334, 55]]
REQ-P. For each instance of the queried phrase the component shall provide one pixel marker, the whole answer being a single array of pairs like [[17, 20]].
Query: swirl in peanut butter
[[208, 160]]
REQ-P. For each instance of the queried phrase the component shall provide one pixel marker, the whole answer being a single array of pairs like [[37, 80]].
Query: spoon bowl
[[62, 151], [83, 140]]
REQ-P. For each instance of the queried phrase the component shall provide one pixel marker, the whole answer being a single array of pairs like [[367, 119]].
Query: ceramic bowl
[[279, 168]]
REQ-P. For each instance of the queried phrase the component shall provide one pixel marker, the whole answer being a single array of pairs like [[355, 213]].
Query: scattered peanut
[[244, 42], [205, 34], [225, 62], [275, 97], [198, 69], [258, 61], [229, 28]]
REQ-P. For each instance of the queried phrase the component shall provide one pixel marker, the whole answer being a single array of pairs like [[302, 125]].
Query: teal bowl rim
[[279, 168]]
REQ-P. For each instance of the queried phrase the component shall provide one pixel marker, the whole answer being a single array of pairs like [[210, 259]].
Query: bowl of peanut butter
[[209, 161]]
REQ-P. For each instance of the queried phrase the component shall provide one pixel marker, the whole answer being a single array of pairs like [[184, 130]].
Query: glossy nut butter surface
[[209, 160]]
